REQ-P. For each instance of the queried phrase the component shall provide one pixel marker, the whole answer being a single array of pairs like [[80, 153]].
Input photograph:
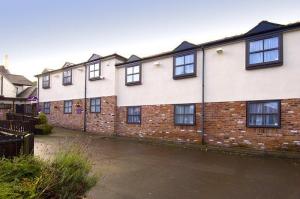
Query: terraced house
[[238, 91]]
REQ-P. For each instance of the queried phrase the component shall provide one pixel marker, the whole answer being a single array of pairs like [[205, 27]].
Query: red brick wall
[[158, 122], [225, 125], [71, 121], [105, 121]]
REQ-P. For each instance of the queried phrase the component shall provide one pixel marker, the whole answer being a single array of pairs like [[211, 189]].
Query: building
[[238, 91], [17, 94]]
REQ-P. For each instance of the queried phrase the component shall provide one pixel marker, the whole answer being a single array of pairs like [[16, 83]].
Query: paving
[[133, 170]]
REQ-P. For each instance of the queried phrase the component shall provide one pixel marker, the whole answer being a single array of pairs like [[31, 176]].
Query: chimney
[[6, 62]]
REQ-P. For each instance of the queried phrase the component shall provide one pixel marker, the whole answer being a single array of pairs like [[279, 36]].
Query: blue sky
[[38, 34]]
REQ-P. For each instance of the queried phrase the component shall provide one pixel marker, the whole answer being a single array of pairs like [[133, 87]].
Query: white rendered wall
[[58, 91], [106, 86], [9, 90], [227, 80], [98, 88], [158, 85]]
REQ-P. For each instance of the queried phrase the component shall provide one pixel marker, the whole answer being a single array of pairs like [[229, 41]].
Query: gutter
[[85, 99], [38, 95], [203, 98]]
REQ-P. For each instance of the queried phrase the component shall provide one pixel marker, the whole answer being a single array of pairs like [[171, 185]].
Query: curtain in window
[[256, 46], [185, 64], [179, 70], [263, 114], [272, 55], [271, 43], [134, 115], [189, 59], [179, 61], [184, 114], [266, 50], [133, 74], [256, 58]]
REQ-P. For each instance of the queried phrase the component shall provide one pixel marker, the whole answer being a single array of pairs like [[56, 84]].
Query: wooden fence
[[16, 137], [20, 117], [15, 126]]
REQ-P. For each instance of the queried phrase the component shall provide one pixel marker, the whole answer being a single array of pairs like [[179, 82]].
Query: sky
[[38, 34]]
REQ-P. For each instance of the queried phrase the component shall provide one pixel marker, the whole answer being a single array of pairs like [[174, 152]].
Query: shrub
[[43, 118], [43, 129], [66, 176]]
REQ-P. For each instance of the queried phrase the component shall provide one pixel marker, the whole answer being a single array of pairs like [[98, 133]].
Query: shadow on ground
[[133, 170]]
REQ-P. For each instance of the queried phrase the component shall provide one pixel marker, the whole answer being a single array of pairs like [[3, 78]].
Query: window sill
[[68, 84], [67, 113], [133, 123], [263, 65], [176, 77], [46, 87], [96, 78], [133, 83], [185, 124], [264, 127]]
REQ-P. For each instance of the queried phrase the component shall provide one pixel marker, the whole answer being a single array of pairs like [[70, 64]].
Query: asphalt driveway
[[132, 170]]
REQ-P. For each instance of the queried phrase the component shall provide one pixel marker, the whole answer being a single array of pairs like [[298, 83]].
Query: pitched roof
[[133, 58], [46, 70], [3, 70], [115, 55], [18, 79], [28, 92], [67, 64], [94, 57], [263, 26], [184, 46]]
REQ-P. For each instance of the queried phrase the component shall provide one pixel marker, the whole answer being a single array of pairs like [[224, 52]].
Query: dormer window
[[264, 52], [184, 65], [133, 75], [67, 77], [46, 81], [94, 71]]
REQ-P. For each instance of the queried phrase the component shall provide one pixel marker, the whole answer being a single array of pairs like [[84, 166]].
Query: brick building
[[238, 91]]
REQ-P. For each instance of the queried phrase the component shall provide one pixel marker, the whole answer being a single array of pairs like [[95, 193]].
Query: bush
[[43, 129], [43, 118], [67, 176]]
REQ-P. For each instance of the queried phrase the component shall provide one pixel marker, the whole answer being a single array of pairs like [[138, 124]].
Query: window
[[184, 66], [133, 75], [95, 106], [46, 81], [67, 77], [46, 108], [68, 107], [94, 71], [263, 52], [134, 115], [5, 106], [263, 114], [28, 109], [185, 114]]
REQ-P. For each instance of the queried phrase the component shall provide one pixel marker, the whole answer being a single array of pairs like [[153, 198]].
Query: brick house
[[238, 91]]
